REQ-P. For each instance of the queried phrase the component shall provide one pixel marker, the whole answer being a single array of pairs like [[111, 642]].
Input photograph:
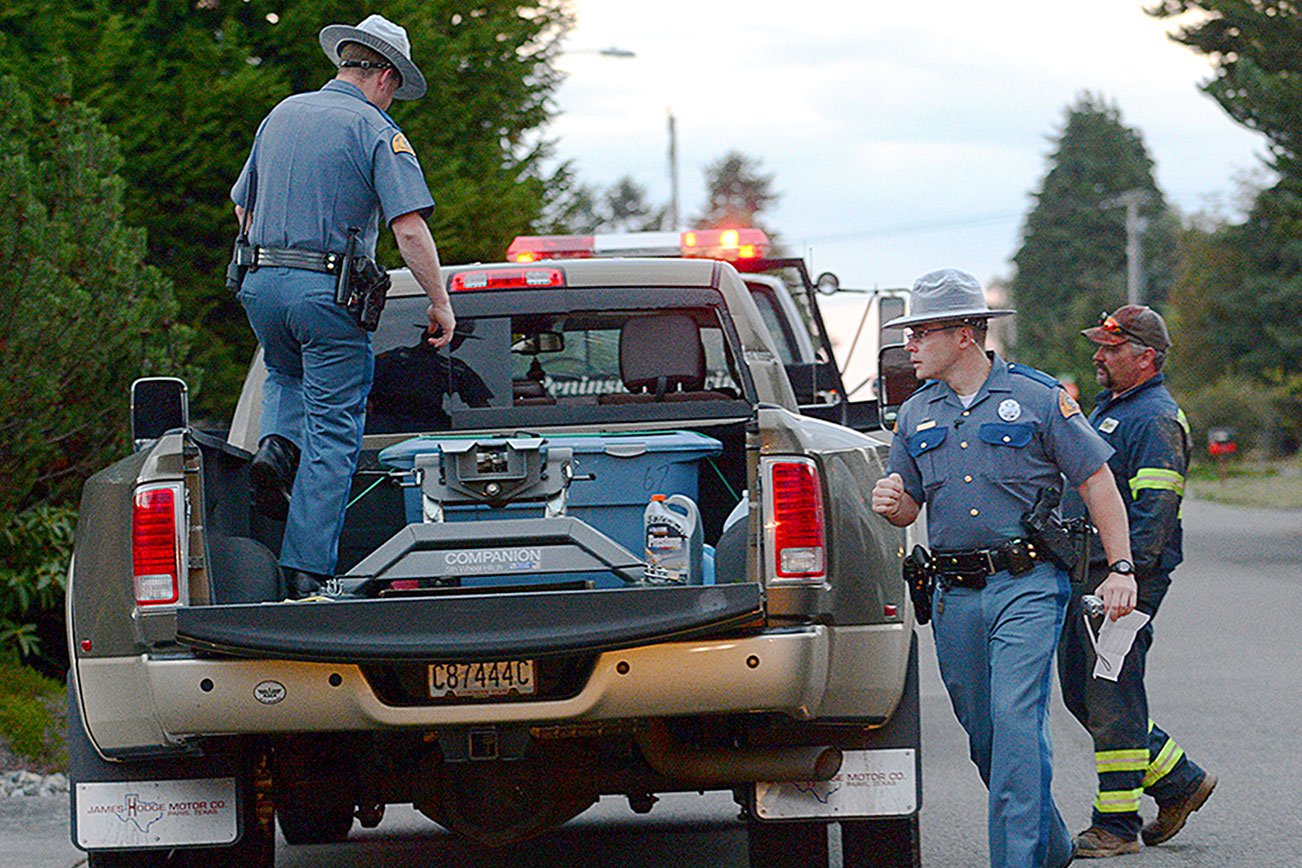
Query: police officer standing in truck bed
[[325, 166], [976, 444]]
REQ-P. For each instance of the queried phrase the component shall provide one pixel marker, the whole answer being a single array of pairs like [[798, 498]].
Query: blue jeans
[[995, 647], [319, 372]]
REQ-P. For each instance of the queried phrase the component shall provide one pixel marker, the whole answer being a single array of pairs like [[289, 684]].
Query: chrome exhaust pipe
[[713, 766]]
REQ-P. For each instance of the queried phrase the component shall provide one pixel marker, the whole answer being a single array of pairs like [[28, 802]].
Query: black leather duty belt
[[970, 569], [289, 257]]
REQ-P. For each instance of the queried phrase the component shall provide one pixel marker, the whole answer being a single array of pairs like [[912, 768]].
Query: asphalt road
[[1225, 679]]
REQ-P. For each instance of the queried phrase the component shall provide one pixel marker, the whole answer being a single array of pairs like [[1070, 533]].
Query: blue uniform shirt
[[329, 161], [979, 469]]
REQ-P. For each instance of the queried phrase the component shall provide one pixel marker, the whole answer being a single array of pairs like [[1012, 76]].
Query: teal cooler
[[626, 469]]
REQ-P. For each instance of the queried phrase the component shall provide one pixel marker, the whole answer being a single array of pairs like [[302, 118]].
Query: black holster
[[235, 272], [361, 286], [920, 576], [1065, 542]]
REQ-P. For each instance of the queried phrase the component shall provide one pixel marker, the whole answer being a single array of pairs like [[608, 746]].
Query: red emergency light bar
[[727, 244], [531, 248], [730, 245], [506, 278]]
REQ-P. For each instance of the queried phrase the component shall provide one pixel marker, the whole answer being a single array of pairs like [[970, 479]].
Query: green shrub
[[1238, 403], [32, 717], [35, 548]]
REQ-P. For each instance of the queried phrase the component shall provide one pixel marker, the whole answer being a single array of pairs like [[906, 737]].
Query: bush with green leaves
[[32, 718], [34, 551]]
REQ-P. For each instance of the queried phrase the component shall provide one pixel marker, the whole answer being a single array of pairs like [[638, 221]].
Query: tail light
[[506, 278], [157, 518], [795, 532]]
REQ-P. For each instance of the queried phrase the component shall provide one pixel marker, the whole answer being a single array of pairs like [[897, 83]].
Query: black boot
[[271, 476], [300, 584]]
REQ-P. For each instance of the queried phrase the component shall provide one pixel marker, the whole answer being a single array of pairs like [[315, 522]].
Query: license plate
[[482, 680]]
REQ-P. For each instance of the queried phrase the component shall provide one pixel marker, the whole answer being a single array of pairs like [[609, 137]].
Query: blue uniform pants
[[995, 647], [1132, 755], [319, 372]]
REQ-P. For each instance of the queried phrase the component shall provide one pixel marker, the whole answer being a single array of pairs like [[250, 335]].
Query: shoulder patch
[[1067, 404], [1031, 373], [401, 145]]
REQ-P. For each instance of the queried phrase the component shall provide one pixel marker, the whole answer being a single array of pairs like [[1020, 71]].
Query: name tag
[[1109, 425], [923, 426]]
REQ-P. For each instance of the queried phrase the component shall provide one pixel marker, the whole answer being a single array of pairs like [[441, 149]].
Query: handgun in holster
[[361, 285], [920, 576], [1065, 542]]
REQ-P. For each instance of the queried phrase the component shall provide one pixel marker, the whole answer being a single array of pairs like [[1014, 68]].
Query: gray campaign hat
[[382, 35], [946, 294]]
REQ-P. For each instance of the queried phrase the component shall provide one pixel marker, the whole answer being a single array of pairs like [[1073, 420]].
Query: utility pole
[[1132, 199], [673, 173]]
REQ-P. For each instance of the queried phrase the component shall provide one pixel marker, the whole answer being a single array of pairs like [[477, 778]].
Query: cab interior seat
[[661, 358], [526, 392]]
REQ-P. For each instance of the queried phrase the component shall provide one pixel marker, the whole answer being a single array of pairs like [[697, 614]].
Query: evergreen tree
[[1072, 262], [83, 316], [1244, 283], [736, 192]]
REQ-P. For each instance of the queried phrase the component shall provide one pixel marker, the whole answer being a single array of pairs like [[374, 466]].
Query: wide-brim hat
[[382, 35], [946, 294]]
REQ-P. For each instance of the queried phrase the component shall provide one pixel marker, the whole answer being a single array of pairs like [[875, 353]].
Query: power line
[[912, 228]]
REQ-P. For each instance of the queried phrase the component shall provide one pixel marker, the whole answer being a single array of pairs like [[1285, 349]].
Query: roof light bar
[[731, 245], [532, 248]]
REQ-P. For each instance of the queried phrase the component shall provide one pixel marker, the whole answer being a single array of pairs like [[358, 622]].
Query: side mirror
[[895, 381], [158, 405], [827, 283]]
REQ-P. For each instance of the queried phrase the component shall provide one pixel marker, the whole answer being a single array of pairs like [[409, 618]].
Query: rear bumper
[[139, 702]]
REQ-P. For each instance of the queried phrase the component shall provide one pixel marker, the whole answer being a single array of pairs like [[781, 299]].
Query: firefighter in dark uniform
[[325, 166], [977, 444], [1133, 756]]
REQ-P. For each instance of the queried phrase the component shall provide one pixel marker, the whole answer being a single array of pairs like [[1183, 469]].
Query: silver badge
[[1009, 410]]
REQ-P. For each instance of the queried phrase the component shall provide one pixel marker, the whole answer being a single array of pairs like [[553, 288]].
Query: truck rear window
[[600, 363]]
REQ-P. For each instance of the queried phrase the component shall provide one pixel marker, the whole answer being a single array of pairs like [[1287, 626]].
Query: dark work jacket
[[1150, 434]]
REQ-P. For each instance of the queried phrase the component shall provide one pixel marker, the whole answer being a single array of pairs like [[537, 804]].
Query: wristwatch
[[1122, 567]]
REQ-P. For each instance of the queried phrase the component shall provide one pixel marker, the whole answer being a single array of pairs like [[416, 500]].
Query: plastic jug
[[674, 541]]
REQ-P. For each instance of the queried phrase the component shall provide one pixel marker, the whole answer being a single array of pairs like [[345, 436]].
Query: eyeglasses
[[1109, 324], [918, 335], [369, 64]]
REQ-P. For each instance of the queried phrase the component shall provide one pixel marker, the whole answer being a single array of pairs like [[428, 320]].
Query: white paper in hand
[[1113, 642]]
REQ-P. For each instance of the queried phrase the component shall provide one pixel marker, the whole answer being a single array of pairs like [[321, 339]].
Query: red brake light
[[506, 278], [797, 520], [532, 248], [727, 244], [155, 550]]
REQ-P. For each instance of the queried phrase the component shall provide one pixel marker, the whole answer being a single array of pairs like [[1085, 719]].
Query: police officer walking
[[977, 444], [325, 166], [1133, 756]]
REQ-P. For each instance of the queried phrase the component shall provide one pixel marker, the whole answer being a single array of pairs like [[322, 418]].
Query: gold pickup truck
[[496, 648]]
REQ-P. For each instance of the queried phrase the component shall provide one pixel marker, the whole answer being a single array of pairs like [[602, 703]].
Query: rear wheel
[[889, 842], [308, 824], [774, 845]]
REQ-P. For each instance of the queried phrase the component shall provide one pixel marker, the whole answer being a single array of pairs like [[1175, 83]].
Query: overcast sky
[[902, 136]]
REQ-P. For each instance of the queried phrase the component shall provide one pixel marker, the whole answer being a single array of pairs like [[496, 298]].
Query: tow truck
[[495, 650]]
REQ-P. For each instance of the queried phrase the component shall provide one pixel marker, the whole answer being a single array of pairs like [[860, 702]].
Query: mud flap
[[154, 803]]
